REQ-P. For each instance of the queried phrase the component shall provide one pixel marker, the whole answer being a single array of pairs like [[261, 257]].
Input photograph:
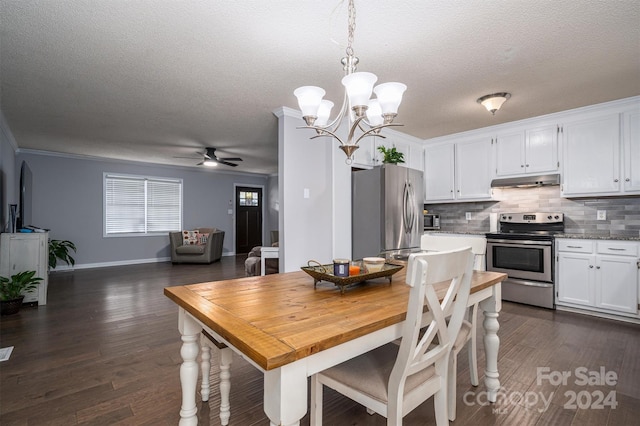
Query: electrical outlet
[[468, 215], [602, 215]]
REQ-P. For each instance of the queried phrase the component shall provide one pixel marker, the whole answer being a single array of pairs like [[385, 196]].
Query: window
[[139, 205], [249, 198]]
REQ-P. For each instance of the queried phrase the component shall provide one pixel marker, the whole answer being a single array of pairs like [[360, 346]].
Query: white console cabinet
[[600, 275], [26, 252]]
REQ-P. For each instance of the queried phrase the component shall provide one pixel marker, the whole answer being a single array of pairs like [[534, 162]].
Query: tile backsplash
[[622, 213]]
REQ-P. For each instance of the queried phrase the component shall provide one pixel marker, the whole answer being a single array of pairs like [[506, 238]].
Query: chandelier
[[364, 116]]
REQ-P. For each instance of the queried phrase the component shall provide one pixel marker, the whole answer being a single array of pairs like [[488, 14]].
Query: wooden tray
[[325, 273]]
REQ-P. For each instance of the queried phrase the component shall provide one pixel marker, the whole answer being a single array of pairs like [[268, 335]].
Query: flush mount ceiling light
[[356, 105], [493, 102]]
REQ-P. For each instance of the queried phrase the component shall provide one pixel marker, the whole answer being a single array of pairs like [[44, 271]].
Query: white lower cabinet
[[21, 252], [600, 275]]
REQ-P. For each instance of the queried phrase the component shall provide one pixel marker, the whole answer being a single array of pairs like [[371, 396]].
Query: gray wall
[[8, 175], [68, 200], [273, 207], [623, 213]]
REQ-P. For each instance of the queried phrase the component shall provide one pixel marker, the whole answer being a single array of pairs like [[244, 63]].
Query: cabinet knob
[[597, 267], [590, 266], [527, 165], [615, 180], [627, 180], [521, 165]]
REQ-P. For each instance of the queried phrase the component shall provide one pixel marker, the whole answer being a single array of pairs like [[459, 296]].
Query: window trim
[[145, 178]]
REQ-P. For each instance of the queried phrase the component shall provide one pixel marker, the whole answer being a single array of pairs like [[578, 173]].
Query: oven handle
[[517, 242], [529, 283]]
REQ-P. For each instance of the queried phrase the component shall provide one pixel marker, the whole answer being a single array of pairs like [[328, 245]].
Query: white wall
[[317, 227]]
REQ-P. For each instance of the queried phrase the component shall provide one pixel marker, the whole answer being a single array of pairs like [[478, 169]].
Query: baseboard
[[63, 268], [598, 314]]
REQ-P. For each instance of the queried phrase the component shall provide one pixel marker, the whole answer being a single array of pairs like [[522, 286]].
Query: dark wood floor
[[105, 350]]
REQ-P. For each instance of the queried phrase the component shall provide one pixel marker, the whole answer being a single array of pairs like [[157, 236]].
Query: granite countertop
[[567, 235], [599, 237]]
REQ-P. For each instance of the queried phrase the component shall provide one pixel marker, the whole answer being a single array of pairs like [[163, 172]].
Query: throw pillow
[[189, 238], [202, 239]]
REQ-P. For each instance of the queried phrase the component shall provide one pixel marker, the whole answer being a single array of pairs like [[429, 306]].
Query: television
[[25, 208]]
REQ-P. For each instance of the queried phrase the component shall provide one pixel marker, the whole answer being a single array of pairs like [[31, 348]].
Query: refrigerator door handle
[[405, 210], [412, 208]]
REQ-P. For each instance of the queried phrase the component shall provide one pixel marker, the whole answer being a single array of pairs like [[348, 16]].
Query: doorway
[[248, 218]]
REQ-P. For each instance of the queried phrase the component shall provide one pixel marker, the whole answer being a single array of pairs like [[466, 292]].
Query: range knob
[[550, 217], [556, 217], [504, 217], [509, 217]]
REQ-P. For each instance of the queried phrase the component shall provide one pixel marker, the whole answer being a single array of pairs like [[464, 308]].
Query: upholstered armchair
[[252, 265], [198, 251]]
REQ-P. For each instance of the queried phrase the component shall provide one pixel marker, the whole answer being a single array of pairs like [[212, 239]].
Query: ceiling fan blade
[[230, 159], [226, 163], [190, 158]]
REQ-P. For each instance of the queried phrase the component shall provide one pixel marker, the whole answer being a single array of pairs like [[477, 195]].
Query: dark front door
[[248, 218]]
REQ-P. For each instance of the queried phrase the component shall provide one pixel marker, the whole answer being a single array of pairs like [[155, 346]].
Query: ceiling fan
[[211, 159]]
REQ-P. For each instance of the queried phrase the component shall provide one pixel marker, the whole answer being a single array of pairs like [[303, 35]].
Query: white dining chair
[[468, 332], [393, 380]]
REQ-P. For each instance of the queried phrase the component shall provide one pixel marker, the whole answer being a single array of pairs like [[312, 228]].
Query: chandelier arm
[[323, 130], [338, 120], [352, 130], [373, 129]]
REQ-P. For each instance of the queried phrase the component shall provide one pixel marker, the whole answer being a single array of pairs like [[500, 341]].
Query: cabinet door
[[473, 169], [632, 152], [438, 172], [510, 159], [541, 150], [576, 278], [22, 254], [617, 283], [591, 156], [365, 154]]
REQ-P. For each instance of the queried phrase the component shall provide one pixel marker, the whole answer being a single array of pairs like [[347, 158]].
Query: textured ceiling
[[149, 80]]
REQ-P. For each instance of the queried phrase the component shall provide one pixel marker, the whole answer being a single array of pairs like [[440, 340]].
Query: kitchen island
[[290, 331]]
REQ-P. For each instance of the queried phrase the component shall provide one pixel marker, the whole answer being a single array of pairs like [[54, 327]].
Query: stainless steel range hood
[[526, 181]]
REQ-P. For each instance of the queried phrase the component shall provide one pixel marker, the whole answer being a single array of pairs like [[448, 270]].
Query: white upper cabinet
[[458, 170], [527, 151], [591, 156], [631, 135], [439, 166], [367, 155]]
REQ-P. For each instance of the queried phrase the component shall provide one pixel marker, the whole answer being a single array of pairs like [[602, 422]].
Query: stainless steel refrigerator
[[387, 207]]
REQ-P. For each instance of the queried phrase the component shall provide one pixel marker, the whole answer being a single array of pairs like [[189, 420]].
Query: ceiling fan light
[[359, 86], [210, 163], [494, 101], [309, 98], [324, 112], [374, 113], [390, 96]]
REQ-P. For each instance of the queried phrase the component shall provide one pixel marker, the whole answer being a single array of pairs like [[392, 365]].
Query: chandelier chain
[[352, 28]]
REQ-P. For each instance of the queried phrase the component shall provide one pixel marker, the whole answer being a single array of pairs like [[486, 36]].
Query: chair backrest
[[478, 244], [423, 271]]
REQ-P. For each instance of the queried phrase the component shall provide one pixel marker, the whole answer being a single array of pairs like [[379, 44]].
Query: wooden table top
[[280, 318]]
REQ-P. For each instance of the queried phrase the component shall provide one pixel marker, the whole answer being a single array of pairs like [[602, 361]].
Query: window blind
[[142, 205]]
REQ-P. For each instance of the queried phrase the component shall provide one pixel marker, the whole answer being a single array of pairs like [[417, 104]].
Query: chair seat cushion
[[463, 336], [194, 249], [369, 373]]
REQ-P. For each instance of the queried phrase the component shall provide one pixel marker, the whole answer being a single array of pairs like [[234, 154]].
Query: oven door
[[525, 260]]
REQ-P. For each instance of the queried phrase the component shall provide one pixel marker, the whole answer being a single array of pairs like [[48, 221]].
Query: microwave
[[431, 221]]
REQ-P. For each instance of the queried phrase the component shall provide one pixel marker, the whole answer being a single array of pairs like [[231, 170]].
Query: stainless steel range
[[524, 248]]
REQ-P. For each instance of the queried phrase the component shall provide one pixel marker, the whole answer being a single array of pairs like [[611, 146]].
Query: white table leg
[[285, 394], [190, 331], [205, 367], [491, 307], [226, 356]]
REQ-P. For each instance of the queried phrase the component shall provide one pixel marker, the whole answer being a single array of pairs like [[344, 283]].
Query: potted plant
[[12, 289], [391, 155], [60, 249]]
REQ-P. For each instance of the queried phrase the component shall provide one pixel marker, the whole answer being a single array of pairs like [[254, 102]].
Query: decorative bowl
[[373, 264]]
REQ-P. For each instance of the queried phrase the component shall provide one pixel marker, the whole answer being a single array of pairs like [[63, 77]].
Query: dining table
[[290, 329]]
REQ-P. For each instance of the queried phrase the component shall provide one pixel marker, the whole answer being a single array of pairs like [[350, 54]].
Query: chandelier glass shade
[[365, 116]]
